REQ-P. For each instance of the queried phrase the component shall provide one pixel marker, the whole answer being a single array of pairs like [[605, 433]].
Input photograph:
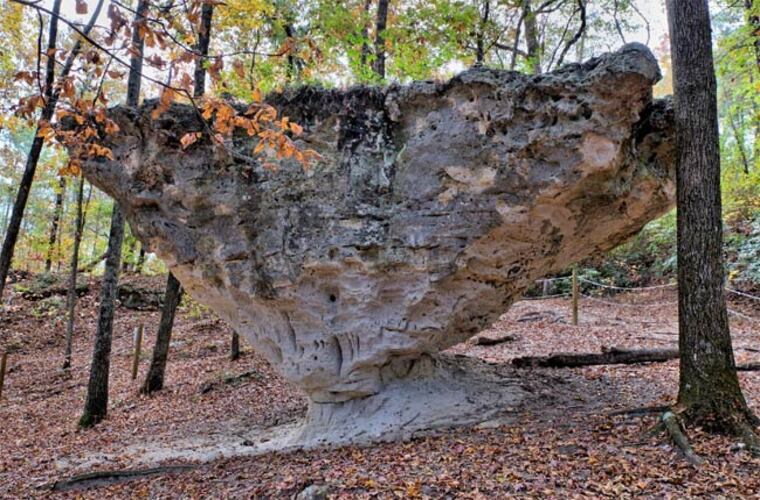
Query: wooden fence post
[[3, 364], [138, 345], [575, 295]]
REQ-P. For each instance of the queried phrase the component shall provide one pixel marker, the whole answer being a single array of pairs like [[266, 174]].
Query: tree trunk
[[71, 297], [7, 211], [480, 37], [709, 389], [57, 212], [516, 43], [291, 71], [96, 406], [173, 293], [17, 215], [140, 260], [204, 38], [380, 25], [753, 20], [126, 266], [155, 378], [365, 35], [531, 38], [235, 346]]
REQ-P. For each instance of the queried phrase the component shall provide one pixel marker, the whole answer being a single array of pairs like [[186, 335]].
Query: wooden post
[[575, 295], [138, 345], [3, 364], [547, 286]]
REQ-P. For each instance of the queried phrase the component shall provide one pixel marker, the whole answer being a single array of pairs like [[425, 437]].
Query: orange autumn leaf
[[189, 138]]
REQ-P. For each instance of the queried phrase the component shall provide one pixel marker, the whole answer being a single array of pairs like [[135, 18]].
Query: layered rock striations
[[433, 208]]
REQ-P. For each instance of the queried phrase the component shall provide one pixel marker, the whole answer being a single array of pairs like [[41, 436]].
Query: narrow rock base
[[440, 391]]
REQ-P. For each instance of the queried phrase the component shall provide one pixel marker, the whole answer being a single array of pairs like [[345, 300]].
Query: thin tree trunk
[[291, 59], [7, 212], [753, 20], [709, 390], [531, 38], [380, 25], [235, 347], [126, 266], [140, 260], [739, 144], [154, 381], [516, 43], [17, 215], [95, 234], [71, 298], [480, 37], [173, 293], [365, 35], [204, 38], [96, 406], [57, 212]]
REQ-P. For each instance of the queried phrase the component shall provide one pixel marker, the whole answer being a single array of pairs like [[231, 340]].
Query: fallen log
[[231, 380], [611, 356], [748, 367], [489, 341]]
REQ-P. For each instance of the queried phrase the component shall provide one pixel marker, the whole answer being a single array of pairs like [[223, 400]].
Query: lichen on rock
[[433, 208]]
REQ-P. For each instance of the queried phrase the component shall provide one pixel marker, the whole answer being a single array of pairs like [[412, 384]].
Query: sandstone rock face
[[434, 206]]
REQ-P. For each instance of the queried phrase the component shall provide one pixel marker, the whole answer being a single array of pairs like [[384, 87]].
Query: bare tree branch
[[578, 34]]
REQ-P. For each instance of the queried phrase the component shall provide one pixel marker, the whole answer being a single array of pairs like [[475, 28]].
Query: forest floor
[[563, 443]]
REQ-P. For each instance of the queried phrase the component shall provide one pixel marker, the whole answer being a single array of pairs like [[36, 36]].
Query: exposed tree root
[[105, 478], [750, 439], [611, 356], [673, 426], [640, 411]]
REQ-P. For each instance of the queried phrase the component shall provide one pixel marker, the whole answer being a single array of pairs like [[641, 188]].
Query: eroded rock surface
[[434, 207]]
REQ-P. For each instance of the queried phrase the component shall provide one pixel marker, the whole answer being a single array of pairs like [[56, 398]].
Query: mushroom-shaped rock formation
[[434, 206]]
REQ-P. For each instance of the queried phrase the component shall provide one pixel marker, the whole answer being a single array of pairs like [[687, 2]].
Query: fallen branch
[[105, 478], [231, 380], [673, 426], [611, 356], [748, 367], [91, 265], [488, 341]]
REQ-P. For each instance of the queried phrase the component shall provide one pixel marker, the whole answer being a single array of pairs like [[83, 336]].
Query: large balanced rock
[[433, 207]]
